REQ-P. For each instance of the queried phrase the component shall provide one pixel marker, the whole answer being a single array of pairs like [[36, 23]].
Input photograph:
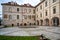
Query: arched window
[[10, 16], [46, 4], [5, 16]]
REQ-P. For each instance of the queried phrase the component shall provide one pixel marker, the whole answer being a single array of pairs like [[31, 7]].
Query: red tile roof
[[15, 4], [25, 5]]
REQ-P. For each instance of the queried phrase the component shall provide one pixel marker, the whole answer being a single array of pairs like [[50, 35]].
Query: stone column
[[50, 22], [43, 23], [39, 22], [36, 22]]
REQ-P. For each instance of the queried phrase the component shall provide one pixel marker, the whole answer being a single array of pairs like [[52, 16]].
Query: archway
[[55, 21], [25, 24], [21, 24], [12, 25], [41, 22], [47, 22], [30, 24]]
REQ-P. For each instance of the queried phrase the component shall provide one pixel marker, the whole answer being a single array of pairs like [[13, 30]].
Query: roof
[[39, 3], [25, 5], [15, 4]]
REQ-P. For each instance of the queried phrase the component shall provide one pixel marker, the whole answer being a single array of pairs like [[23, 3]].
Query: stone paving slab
[[18, 33], [51, 32]]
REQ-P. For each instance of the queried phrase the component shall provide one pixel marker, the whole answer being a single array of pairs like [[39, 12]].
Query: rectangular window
[[54, 1], [10, 17], [17, 16], [54, 9], [46, 13], [41, 7], [33, 11], [33, 16], [17, 9], [46, 4], [25, 10], [41, 15], [29, 16], [5, 16], [29, 10], [25, 17], [9, 9], [37, 9]]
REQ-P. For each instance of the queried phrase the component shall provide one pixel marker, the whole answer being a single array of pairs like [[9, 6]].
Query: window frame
[[17, 9], [17, 16], [10, 16], [46, 3], [41, 7], [54, 1], [46, 13], [54, 10]]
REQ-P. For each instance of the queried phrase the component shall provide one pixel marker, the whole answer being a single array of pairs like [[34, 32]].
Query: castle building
[[45, 13]]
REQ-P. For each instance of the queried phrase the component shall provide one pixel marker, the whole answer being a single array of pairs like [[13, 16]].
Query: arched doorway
[[25, 24], [41, 22], [12, 25], [55, 21], [21, 24], [30, 24], [37, 22], [47, 22]]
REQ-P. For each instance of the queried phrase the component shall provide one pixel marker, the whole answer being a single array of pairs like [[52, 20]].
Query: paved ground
[[51, 32]]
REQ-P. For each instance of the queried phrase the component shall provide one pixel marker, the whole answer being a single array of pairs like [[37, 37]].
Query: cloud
[[18, 1], [32, 2]]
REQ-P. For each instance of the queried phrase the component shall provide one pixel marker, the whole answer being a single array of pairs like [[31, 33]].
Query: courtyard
[[52, 33]]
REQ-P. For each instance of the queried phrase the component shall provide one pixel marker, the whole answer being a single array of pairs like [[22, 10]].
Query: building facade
[[48, 13], [18, 15], [45, 13]]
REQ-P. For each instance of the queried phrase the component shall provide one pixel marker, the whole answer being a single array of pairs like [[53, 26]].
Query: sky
[[32, 2]]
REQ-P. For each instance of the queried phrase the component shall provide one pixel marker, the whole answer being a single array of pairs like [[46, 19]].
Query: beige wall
[[38, 10], [13, 12], [49, 9]]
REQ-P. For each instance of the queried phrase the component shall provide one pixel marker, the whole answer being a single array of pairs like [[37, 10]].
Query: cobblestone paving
[[51, 32]]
